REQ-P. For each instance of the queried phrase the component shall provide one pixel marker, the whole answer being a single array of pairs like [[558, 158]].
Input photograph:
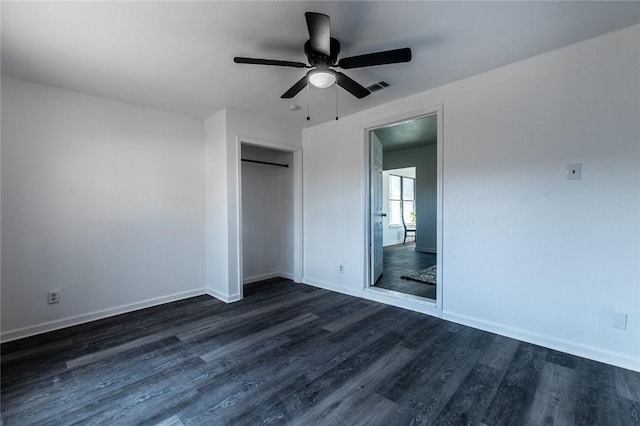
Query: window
[[402, 199]]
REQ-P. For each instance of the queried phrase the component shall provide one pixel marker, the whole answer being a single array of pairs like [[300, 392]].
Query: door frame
[[389, 296], [296, 151]]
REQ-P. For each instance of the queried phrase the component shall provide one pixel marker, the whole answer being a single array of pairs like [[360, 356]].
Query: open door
[[377, 214]]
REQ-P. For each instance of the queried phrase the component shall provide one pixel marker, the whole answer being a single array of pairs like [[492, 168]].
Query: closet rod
[[265, 162]]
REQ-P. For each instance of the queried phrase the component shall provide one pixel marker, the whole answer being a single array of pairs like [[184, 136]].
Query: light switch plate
[[620, 321], [574, 171]]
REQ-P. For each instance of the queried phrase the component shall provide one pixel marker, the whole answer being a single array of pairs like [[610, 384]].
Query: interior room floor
[[290, 353], [402, 259]]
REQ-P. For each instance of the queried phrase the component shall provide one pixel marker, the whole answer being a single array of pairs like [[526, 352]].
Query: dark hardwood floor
[[402, 259], [290, 353]]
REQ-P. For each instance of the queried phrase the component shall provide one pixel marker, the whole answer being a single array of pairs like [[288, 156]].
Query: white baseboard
[[45, 327], [286, 275], [267, 276], [331, 287], [221, 296], [426, 250], [260, 277], [398, 242], [574, 348]]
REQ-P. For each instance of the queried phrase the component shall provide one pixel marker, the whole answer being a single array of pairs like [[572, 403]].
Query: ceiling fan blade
[[352, 86], [295, 89], [378, 58], [319, 27], [254, 61]]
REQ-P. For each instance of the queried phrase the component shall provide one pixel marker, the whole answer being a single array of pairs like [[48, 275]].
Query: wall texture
[[101, 200], [526, 252]]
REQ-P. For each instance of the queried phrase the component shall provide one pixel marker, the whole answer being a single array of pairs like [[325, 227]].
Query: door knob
[[383, 215]]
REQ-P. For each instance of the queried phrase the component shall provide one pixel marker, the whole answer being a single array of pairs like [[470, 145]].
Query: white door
[[376, 209]]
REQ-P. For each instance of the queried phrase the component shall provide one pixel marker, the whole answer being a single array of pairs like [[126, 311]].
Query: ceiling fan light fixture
[[322, 52], [322, 78]]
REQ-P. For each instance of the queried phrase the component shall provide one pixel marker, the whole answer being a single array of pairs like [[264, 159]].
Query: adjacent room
[[320, 212]]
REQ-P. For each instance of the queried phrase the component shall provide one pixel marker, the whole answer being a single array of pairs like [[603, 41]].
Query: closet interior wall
[[267, 214]]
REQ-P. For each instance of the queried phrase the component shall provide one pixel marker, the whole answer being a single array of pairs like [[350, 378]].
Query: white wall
[[392, 234], [424, 160], [217, 216], [267, 215], [286, 239], [224, 132], [101, 200], [526, 252]]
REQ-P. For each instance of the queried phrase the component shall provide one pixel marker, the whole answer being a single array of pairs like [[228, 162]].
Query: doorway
[[404, 214]]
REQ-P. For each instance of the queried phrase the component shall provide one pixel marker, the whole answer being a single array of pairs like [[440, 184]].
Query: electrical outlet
[[53, 297], [341, 268]]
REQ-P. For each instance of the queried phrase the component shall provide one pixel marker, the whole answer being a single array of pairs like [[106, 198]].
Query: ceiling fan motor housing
[[317, 59]]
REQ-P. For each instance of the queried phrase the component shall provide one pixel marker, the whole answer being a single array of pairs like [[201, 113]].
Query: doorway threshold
[[403, 300]]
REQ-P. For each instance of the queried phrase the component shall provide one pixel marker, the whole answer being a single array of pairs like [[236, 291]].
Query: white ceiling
[[177, 56]]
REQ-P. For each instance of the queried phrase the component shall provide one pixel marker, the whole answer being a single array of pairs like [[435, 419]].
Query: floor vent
[[378, 86]]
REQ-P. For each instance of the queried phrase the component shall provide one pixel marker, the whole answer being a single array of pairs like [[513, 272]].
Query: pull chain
[[308, 90], [336, 86]]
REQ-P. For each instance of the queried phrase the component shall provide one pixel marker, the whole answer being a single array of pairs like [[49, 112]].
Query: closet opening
[[267, 214]]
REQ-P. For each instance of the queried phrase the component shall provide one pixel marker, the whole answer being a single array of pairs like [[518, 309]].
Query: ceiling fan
[[322, 53]]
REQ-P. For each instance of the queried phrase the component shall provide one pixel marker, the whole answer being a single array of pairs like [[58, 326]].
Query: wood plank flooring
[[292, 354], [401, 259]]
